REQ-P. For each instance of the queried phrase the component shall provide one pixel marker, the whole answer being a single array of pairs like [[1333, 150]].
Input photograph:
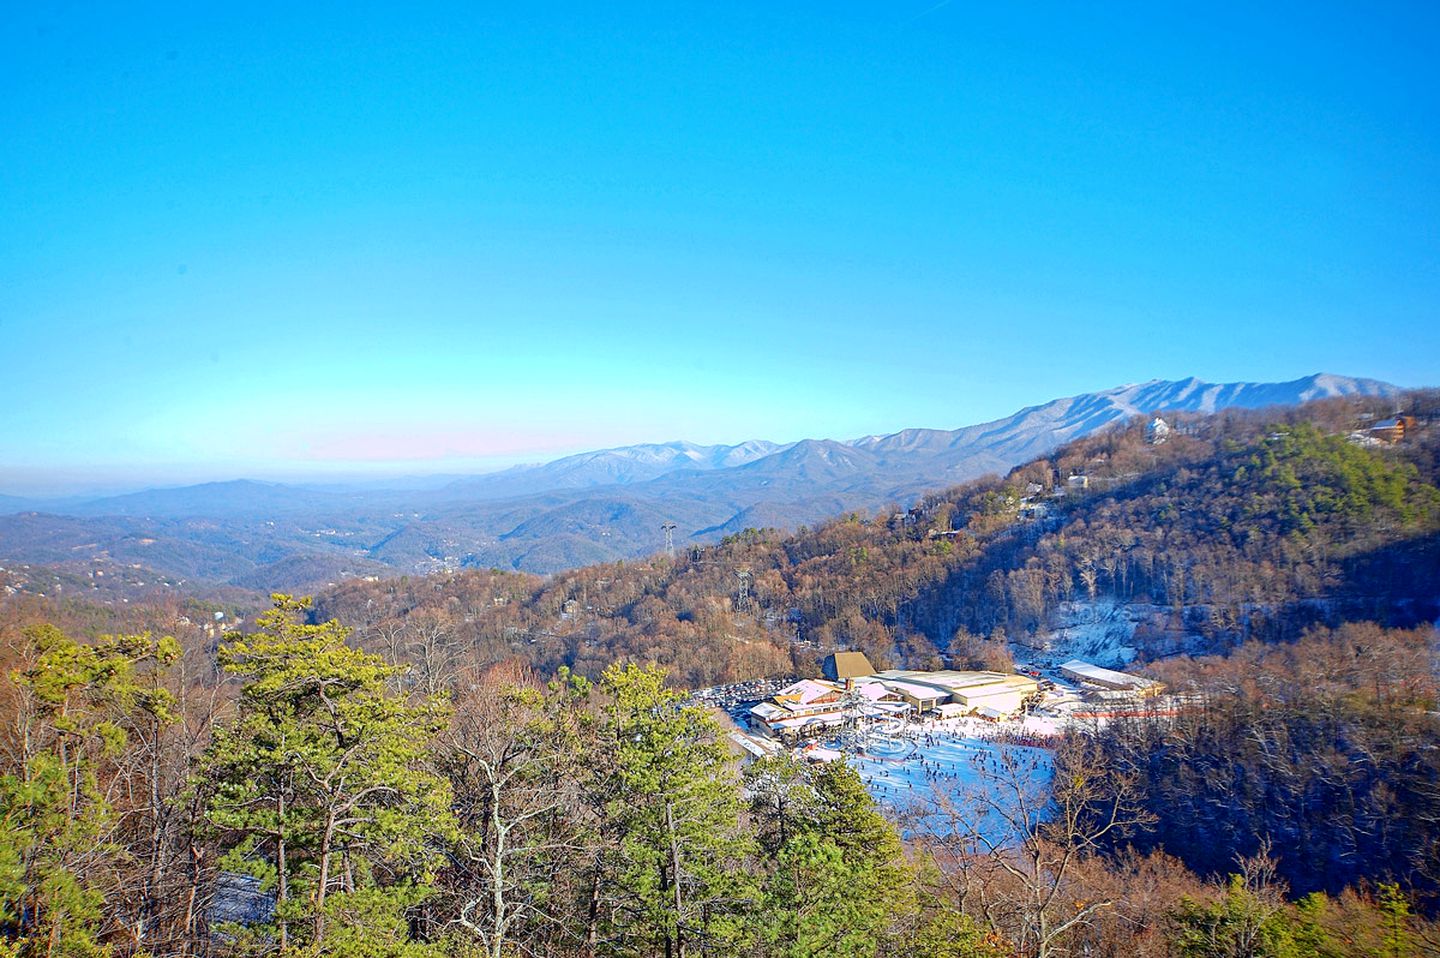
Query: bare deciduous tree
[[510, 755], [1011, 846]]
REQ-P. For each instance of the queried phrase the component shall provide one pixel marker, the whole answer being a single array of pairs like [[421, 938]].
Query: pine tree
[[320, 786], [840, 884], [58, 852], [674, 863]]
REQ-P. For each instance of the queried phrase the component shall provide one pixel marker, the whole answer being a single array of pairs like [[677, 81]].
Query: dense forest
[[1325, 749]]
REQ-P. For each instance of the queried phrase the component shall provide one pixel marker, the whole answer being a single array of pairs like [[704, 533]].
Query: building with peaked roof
[[812, 705], [806, 693], [1393, 430], [921, 696], [839, 666]]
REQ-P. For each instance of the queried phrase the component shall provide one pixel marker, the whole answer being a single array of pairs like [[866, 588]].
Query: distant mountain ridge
[[590, 507], [620, 466], [1035, 430]]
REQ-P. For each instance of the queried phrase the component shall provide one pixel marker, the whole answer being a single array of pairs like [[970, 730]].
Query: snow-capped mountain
[[1035, 430]]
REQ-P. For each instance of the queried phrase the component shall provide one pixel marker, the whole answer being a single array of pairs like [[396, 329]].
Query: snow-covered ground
[[909, 774], [1101, 632]]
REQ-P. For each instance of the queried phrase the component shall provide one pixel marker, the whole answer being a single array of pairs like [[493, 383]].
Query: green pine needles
[[320, 787]]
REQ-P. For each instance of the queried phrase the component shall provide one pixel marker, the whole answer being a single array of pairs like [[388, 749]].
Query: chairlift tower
[[743, 575], [669, 528]]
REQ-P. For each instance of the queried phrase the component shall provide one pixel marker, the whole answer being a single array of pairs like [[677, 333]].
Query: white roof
[[767, 710], [808, 690], [986, 711], [964, 681], [1094, 673], [916, 691], [748, 744], [874, 691], [949, 678]]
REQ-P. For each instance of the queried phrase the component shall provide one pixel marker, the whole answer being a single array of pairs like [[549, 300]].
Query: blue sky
[[294, 239]]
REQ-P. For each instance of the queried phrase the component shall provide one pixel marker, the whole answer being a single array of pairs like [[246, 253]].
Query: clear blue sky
[[286, 238]]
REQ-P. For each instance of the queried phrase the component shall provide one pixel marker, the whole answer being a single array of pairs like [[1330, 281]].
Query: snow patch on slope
[[1100, 632]]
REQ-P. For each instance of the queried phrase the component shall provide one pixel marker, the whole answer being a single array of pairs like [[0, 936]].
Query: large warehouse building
[[1002, 693], [1109, 679]]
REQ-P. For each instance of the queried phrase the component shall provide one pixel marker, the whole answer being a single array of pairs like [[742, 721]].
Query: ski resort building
[[1109, 679], [1003, 693], [920, 696], [839, 666], [810, 706]]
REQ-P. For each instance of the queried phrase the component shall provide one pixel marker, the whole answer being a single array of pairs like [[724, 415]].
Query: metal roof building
[[1089, 674]]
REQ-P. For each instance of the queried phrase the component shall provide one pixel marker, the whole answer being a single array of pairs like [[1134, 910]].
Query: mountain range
[[592, 507]]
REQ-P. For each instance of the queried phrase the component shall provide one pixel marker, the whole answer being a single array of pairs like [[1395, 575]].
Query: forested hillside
[[1239, 525], [288, 793], [1325, 749], [584, 509]]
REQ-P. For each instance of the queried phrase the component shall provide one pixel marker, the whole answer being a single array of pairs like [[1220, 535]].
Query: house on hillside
[[1392, 430]]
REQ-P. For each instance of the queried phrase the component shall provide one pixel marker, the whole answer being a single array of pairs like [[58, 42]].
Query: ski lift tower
[[743, 595]]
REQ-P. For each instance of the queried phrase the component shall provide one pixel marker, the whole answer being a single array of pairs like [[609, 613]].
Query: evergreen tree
[[675, 861], [1242, 924], [840, 885], [320, 787], [58, 853], [783, 800], [1396, 909], [821, 901]]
